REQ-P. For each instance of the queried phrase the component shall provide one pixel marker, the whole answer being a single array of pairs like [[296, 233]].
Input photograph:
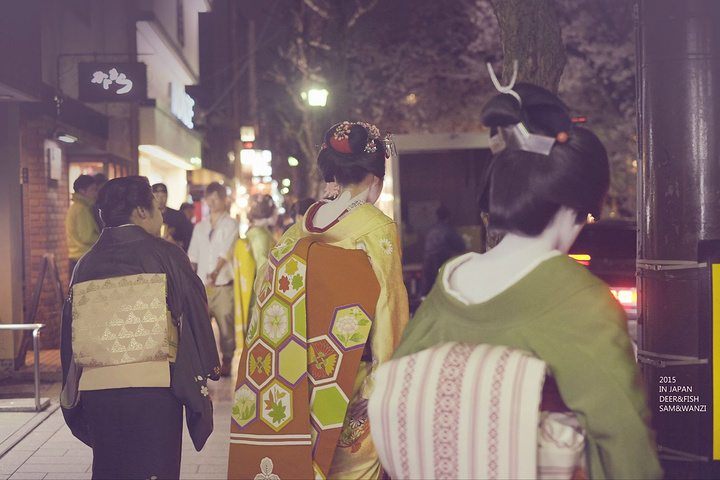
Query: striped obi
[[469, 411]]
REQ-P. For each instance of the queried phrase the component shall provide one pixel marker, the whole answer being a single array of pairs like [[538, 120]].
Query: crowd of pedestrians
[[318, 325]]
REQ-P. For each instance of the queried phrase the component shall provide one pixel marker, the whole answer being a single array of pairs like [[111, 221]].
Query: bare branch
[[361, 10], [321, 46], [323, 12]]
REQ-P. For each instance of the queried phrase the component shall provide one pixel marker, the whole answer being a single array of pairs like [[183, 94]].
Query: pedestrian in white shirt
[[212, 238]]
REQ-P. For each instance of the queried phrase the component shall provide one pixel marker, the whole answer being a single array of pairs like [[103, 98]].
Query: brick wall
[[45, 206]]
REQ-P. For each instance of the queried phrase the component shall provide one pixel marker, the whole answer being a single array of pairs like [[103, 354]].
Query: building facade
[[85, 87]]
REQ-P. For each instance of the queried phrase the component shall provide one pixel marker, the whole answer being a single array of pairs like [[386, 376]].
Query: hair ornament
[[390, 148], [509, 87], [323, 146], [373, 131], [518, 137], [340, 139]]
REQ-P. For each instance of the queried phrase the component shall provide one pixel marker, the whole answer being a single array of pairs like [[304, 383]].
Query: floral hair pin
[[340, 139]]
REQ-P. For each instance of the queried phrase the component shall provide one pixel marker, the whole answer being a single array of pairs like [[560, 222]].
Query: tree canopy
[[420, 67]]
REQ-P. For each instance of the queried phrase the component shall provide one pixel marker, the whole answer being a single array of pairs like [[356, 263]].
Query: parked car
[[609, 249]]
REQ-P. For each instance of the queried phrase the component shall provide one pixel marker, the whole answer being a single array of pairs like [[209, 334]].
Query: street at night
[[365, 239]]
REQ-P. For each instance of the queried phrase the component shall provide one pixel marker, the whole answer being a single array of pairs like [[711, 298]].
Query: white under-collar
[[457, 262], [333, 210]]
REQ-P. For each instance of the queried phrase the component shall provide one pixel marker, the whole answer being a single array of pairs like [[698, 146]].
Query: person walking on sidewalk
[[136, 343], [211, 241]]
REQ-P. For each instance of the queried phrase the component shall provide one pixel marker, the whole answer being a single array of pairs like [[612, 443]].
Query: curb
[[27, 428]]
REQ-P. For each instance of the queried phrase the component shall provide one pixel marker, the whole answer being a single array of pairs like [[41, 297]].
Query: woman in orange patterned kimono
[[343, 262]]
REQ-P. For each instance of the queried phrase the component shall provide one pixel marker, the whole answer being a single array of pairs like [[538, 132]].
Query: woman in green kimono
[[546, 177], [331, 306]]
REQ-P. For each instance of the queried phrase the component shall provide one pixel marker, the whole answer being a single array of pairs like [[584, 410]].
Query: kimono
[[124, 252], [565, 316], [331, 306], [248, 254]]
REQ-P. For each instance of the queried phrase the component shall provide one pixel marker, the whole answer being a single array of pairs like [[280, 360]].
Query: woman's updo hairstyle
[[261, 206], [120, 196], [351, 150], [524, 189]]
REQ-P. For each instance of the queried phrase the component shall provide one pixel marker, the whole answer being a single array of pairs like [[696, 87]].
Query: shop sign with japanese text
[[112, 81]]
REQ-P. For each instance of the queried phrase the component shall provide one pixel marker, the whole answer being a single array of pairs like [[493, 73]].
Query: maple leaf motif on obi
[[284, 283], [291, 267], [276, 409], [297, 282], [277, 413]]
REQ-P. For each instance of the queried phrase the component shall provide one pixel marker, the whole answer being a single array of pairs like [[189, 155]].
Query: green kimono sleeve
[[600, 381]]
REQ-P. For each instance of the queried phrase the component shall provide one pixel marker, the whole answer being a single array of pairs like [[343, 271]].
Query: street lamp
[[316, 97]]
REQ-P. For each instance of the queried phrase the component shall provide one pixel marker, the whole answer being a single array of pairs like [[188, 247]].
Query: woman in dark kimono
[[137, 344]]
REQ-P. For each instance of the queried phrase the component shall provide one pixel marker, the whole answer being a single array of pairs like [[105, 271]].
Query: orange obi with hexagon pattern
[[306, 337]]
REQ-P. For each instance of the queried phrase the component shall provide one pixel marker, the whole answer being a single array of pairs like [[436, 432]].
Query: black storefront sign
[[112, 81]]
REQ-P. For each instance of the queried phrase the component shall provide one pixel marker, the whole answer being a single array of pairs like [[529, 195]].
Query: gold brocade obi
[[122, 332]]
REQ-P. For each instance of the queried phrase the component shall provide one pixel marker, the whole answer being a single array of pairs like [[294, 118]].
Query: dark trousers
[[136, 433]]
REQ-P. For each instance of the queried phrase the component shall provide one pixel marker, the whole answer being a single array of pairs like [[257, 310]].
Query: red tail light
[[626, 296], [582, 258]]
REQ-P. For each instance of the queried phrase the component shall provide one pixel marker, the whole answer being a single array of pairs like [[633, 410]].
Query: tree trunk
[[531, 35]]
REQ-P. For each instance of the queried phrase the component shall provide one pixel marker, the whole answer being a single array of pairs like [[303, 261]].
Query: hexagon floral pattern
[[260, 364], [244, 409], [266, 286], [253, 326], [275, 319], [323, 360], [350, 326], [276, 406], [290, 278]]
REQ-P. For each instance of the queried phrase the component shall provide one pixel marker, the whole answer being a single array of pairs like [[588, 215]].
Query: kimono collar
[[347, 226], [124, 233]]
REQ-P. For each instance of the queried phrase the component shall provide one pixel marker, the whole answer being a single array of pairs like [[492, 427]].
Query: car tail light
[[626, 296], [582, 258]]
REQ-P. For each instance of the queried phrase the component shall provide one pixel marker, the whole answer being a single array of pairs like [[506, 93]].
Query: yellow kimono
[[244, 270], [368, 229], [248, 254]]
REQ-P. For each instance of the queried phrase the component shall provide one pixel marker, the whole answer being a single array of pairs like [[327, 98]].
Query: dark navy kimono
[[130, 250]]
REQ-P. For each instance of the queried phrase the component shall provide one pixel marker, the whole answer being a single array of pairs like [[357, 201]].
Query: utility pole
[[678, 67]]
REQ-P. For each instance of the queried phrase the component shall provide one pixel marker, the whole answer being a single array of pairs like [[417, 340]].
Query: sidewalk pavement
[[40, 446]]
